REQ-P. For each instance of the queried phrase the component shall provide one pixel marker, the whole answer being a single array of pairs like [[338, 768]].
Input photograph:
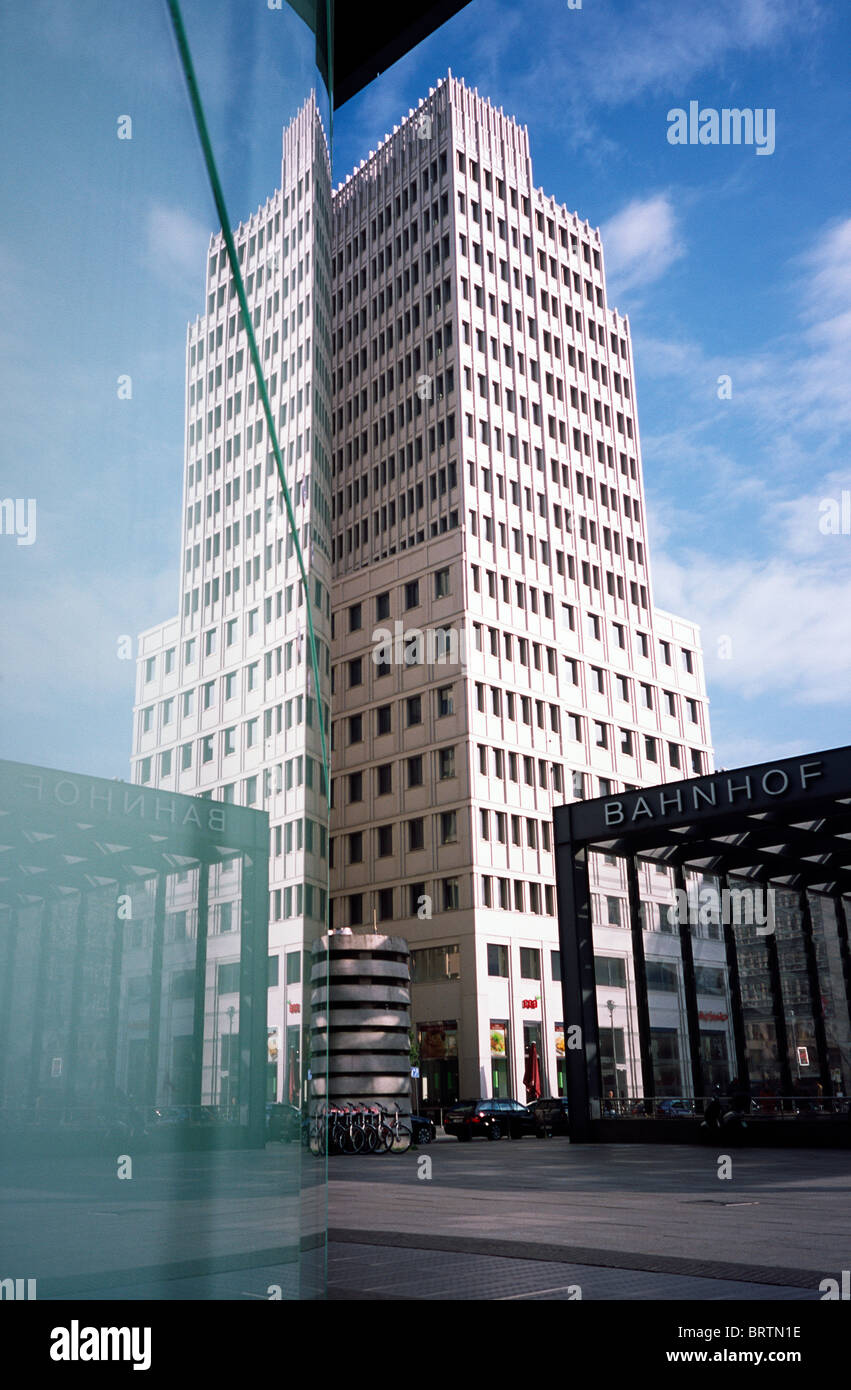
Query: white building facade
[[488, 493]]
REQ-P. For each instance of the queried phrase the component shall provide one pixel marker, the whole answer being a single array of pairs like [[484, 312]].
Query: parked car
[[550, 1116], [283, 1123], [423, 1129], [675, 1109], [490, 1119]]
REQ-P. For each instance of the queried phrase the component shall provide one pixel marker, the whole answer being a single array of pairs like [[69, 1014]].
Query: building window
[[383, 719], [661, 976], [415, 771], [436, 963], [610, 970], [412, 594], [446, 763], [355, 618], [416, 833], [613, 910], [445, 702], [451, 895], [355, 672], [382, 606], [414, 710], [530, 963], [441, 583], [555, 965], [228, 978], [498, 960]]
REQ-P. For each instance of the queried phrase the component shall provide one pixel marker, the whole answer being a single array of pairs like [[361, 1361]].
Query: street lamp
[[230, 1013], [610, 1005]]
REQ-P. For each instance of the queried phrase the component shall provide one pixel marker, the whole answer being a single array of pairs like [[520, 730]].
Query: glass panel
[[668, 1029], [836, 1021], [144, 1015]]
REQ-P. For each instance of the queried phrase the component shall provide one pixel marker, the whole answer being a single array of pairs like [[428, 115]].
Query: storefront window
[[438, 1052], [500, 1057]]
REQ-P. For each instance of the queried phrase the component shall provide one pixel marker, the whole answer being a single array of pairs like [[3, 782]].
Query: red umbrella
[[532, 1074]]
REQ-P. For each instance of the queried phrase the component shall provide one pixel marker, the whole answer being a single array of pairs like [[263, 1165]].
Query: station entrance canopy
[[783, 827], [133, 956]]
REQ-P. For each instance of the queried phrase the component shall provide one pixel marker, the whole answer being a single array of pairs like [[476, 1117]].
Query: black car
[[489, 1119], [550, 1116], [423, 1129]]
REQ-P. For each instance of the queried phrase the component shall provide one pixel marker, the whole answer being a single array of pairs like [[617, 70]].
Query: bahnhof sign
[[759, 860], [133, 959]]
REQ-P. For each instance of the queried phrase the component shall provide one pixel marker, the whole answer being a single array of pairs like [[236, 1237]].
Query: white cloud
[[176, 247], [777, 628], [640, 242], [658, 44]]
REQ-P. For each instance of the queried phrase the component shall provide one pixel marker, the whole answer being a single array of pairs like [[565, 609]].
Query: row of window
[[414, 774], [385, 841], [410, 599], [512, 893], [284, 600], [444, 705], [283, 777], [626, 742]]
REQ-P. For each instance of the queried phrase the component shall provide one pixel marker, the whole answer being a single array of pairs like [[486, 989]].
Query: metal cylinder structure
[[361, 1020]]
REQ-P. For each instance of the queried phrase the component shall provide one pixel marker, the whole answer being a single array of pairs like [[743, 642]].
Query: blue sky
[[727, 262]]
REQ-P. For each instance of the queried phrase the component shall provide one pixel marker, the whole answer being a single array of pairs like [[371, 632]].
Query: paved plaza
[[521, 1220]]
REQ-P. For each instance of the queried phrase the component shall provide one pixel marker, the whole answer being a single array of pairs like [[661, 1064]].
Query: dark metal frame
[[68, 833], [781, 823]]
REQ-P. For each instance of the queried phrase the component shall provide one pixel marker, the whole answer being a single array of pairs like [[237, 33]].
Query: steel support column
[[579, 990], [689, 987], [642, 1005]]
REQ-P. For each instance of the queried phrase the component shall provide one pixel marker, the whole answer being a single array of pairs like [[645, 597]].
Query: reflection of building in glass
[[751, 982], [225, 698], [133, 953]]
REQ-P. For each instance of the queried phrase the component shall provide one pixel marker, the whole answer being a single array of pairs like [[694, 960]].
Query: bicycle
[[397, 1137]]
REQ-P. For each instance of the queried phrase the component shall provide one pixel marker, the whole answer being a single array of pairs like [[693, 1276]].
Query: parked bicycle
[[346, 1128]]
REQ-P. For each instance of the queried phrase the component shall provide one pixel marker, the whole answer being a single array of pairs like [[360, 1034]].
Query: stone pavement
[[535, 1219], [510, 1220]]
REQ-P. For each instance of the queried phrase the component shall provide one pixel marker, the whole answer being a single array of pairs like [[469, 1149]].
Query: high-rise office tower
[[488, 495], [494, 648]]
